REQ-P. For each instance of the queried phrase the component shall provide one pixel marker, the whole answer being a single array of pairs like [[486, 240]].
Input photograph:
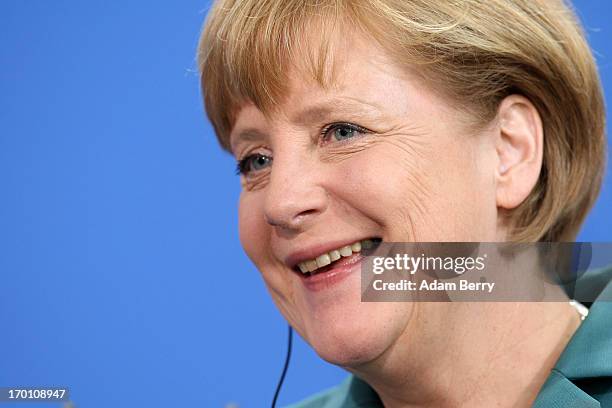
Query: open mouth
[[341, 256]]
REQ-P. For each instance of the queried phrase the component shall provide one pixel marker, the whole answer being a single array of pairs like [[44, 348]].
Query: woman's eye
[[342, 131], [252, 163]]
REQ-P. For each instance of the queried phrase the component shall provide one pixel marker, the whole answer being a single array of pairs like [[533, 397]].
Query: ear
[[519, 146]]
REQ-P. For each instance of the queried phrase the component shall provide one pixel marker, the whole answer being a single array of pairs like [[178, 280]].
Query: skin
[[420, 173]]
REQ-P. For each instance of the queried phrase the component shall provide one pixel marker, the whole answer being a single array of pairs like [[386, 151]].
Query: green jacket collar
[[586, 362]]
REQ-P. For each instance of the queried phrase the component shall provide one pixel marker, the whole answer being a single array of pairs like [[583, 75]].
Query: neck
[[472, 354]]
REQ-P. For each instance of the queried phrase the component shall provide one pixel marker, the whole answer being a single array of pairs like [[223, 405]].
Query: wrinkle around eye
[[412, 141], [255, 182], [339, 152]]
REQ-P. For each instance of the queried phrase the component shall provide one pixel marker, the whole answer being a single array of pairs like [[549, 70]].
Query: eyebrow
[[245, 135], [343, 106]]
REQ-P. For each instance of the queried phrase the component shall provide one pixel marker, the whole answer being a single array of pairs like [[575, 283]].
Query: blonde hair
[[478, 52]]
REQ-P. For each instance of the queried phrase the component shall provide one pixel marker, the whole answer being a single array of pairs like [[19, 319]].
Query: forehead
[[361, 77]]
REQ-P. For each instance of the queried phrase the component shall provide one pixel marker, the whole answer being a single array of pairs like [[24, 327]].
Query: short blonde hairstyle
[[477, 51]]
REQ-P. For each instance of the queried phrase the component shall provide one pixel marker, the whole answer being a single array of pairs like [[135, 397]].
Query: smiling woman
[[360, 122]]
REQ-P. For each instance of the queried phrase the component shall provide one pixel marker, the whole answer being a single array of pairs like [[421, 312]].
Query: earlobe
[[519, 148]]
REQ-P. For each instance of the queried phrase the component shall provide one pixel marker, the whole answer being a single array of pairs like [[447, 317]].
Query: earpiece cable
[[287, 359]]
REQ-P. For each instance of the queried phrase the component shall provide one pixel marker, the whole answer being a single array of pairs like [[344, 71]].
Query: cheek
[[426, 192], [253, 230], [465, 199], [465, 176]]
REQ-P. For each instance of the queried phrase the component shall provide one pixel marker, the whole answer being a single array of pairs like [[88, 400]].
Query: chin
[[356, 337], [348, 348]]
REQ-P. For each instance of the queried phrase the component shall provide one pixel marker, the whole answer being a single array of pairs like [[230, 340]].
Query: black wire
[[287, 359]]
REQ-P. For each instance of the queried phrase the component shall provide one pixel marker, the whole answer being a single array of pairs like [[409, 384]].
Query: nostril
[[299, 220], [306, 213], [296, 221]]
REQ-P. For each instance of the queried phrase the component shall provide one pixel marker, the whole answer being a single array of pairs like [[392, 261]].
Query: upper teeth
[[329, 257]]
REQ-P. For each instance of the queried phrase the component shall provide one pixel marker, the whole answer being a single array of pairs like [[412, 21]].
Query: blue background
[[121, 274]]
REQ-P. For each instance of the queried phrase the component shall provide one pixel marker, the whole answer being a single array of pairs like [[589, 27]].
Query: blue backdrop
[[121, 274]]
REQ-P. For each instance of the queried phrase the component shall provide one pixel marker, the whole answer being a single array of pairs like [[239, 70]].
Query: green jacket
[[582, 378]]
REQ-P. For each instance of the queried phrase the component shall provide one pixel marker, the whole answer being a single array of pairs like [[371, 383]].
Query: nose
[[294, 196]]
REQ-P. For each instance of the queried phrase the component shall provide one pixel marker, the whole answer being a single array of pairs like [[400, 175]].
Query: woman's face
[[376, 156]]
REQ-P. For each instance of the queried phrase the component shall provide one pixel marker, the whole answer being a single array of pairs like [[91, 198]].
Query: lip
[[314, 251], [336, 274]]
